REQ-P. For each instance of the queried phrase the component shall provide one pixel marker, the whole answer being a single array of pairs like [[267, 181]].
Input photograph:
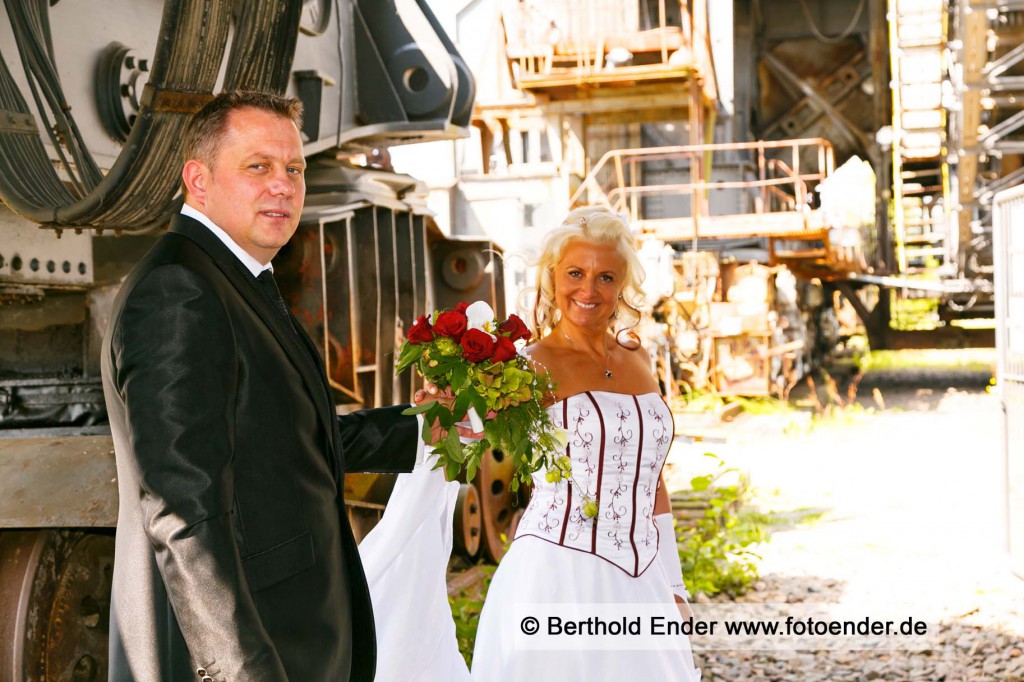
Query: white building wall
[[513, 206]]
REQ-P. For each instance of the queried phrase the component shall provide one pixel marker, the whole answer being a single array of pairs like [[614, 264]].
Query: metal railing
[[784, 181], [551, 35]]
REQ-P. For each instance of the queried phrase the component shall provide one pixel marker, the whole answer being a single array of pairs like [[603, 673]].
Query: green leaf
[[445, 365], [454, 446], [438, 463], [432, 374], [459, 378], [461, 404], [493, 431], [478, 402], [411, 352], [419, 409], [700, 483], [444, 415], [471, 470]]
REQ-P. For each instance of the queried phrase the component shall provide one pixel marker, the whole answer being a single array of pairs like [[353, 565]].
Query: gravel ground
[[912, 525]]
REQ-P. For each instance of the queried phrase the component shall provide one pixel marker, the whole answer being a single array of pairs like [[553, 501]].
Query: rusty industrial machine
[[830, 140], [93, 101], [638, 106]]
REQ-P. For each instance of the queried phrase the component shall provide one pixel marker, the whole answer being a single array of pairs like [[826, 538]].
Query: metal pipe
[[1002, 129], [994, 68], [798, 189]]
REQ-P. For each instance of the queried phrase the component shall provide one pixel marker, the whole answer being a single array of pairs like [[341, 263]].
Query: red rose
[[421, 331], [450, 323], [461, 307], [504, 349], [515, 328], [477, 345]]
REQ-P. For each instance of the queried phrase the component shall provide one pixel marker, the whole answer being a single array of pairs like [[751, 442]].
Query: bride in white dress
[[604, 536]]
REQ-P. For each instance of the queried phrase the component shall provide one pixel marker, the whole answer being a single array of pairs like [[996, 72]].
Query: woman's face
[[588, 280]]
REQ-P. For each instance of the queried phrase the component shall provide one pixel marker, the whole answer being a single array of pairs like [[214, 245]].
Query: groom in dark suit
[[235, 559]]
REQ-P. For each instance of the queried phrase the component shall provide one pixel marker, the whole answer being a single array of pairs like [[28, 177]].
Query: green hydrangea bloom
[[448, 347]]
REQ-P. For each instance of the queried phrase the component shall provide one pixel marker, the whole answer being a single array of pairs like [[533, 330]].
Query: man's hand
[[430, 392]]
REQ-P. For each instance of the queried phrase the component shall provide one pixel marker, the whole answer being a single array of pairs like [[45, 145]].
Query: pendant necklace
[[607, 354]]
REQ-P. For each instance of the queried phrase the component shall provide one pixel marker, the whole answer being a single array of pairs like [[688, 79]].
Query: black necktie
[[266, 280]]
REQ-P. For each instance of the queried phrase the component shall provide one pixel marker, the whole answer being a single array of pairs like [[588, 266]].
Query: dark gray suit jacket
[[235, 559]]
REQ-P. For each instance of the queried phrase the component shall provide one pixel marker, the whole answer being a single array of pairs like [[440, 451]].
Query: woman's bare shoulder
[[641, 353], [637, 361], [538, 355], [539, 358]]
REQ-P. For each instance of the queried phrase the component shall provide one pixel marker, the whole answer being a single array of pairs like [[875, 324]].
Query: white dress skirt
[[535, 571]]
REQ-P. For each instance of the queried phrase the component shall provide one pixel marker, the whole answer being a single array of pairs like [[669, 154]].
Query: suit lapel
[[294, 344], [335, 435]]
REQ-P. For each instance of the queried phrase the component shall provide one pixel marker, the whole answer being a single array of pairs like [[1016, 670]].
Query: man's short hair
[[204, 132]]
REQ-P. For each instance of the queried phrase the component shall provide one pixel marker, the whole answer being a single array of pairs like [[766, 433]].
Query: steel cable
[[27, 182], [46, 73], [44, 84], [139, 190], [259, 64]]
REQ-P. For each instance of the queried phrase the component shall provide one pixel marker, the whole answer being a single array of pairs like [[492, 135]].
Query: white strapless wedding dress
[[618, 444]]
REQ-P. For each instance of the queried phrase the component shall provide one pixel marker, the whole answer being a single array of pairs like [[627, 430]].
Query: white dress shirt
[[250, 263]]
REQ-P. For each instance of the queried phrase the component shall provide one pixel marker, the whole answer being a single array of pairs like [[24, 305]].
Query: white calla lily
[[480, 316]]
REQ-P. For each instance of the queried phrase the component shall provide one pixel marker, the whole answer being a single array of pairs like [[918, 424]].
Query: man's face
[[254, 189]]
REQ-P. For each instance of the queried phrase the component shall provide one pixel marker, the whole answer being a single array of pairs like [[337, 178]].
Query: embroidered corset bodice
[[617, 444]]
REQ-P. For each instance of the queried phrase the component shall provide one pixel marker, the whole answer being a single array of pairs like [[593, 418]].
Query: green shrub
[[466, 608], [715, 552]]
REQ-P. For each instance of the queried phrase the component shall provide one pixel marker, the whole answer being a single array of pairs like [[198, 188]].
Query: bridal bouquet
[[468, 351]]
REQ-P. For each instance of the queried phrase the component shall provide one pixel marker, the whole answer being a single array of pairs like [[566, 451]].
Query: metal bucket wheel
[[54, 605], [467, 521], [496, 503]]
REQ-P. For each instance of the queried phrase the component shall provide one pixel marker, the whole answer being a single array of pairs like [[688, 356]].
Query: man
[[234, 559]]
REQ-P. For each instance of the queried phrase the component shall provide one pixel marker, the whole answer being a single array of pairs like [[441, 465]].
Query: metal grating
[[1008, 255], [375, 280]]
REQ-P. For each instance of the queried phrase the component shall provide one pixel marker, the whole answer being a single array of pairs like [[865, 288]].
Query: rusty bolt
[[85, 669]]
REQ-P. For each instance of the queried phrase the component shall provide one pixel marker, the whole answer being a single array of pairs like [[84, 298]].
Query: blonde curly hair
[[599, 225]]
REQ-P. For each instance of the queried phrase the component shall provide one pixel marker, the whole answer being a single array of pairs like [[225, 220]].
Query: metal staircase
[[924, 223]]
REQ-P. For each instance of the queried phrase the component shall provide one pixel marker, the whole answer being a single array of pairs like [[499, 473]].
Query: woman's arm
[[662, 505], [668, 549]]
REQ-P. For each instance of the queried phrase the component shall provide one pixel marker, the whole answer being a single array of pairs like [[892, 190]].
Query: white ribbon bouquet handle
[[475, 421]]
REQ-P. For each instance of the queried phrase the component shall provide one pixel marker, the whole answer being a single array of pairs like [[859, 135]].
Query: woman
[[602, 536], [620, 431]]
